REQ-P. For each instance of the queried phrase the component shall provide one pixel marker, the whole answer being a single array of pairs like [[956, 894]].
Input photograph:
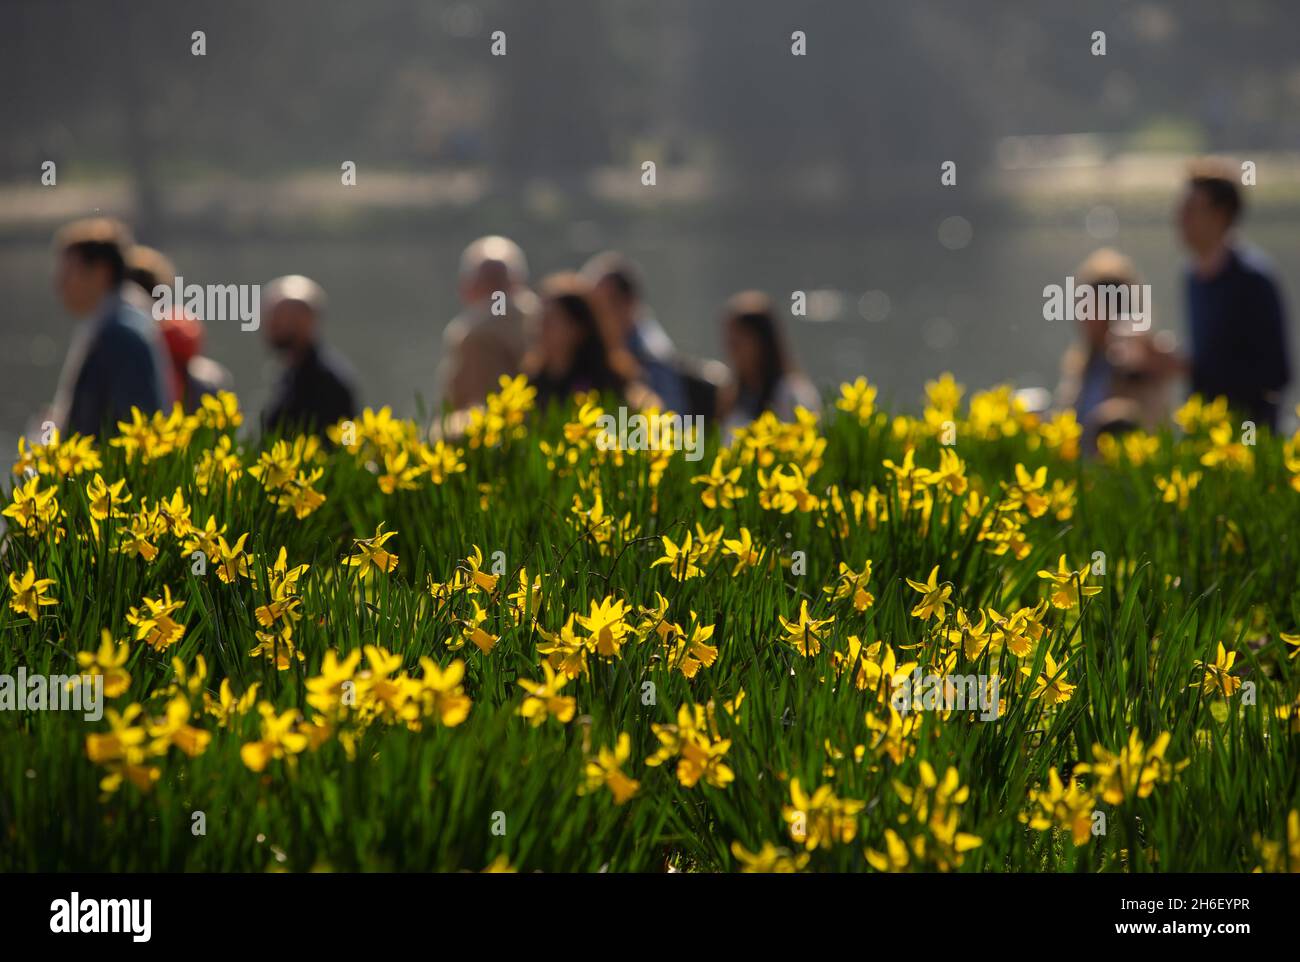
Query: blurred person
[[316, 389], [570, 354], [1115, 378], [765, 376], [617, 293], [488, 338], [704, 381], [116, 360], [191, 374], [1236, 319]]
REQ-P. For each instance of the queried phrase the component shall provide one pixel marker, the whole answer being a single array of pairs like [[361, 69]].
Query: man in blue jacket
[[617, 291], [1235, 314], [115, 361]]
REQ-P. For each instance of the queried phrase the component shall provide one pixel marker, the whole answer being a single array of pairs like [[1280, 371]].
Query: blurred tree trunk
[[136, 92], [550, 98]]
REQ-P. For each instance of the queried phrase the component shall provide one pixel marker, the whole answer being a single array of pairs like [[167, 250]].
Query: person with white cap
[[490, 335]]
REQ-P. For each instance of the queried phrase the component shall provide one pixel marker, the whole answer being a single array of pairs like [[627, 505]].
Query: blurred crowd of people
[[593, 329], [134, 349]]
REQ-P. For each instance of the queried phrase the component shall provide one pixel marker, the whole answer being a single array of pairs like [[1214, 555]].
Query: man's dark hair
[[97, 240], [618, 270], [1219, 183]]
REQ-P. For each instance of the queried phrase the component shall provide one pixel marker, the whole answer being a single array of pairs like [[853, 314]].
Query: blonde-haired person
[[1113, 376], [764, 374]]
